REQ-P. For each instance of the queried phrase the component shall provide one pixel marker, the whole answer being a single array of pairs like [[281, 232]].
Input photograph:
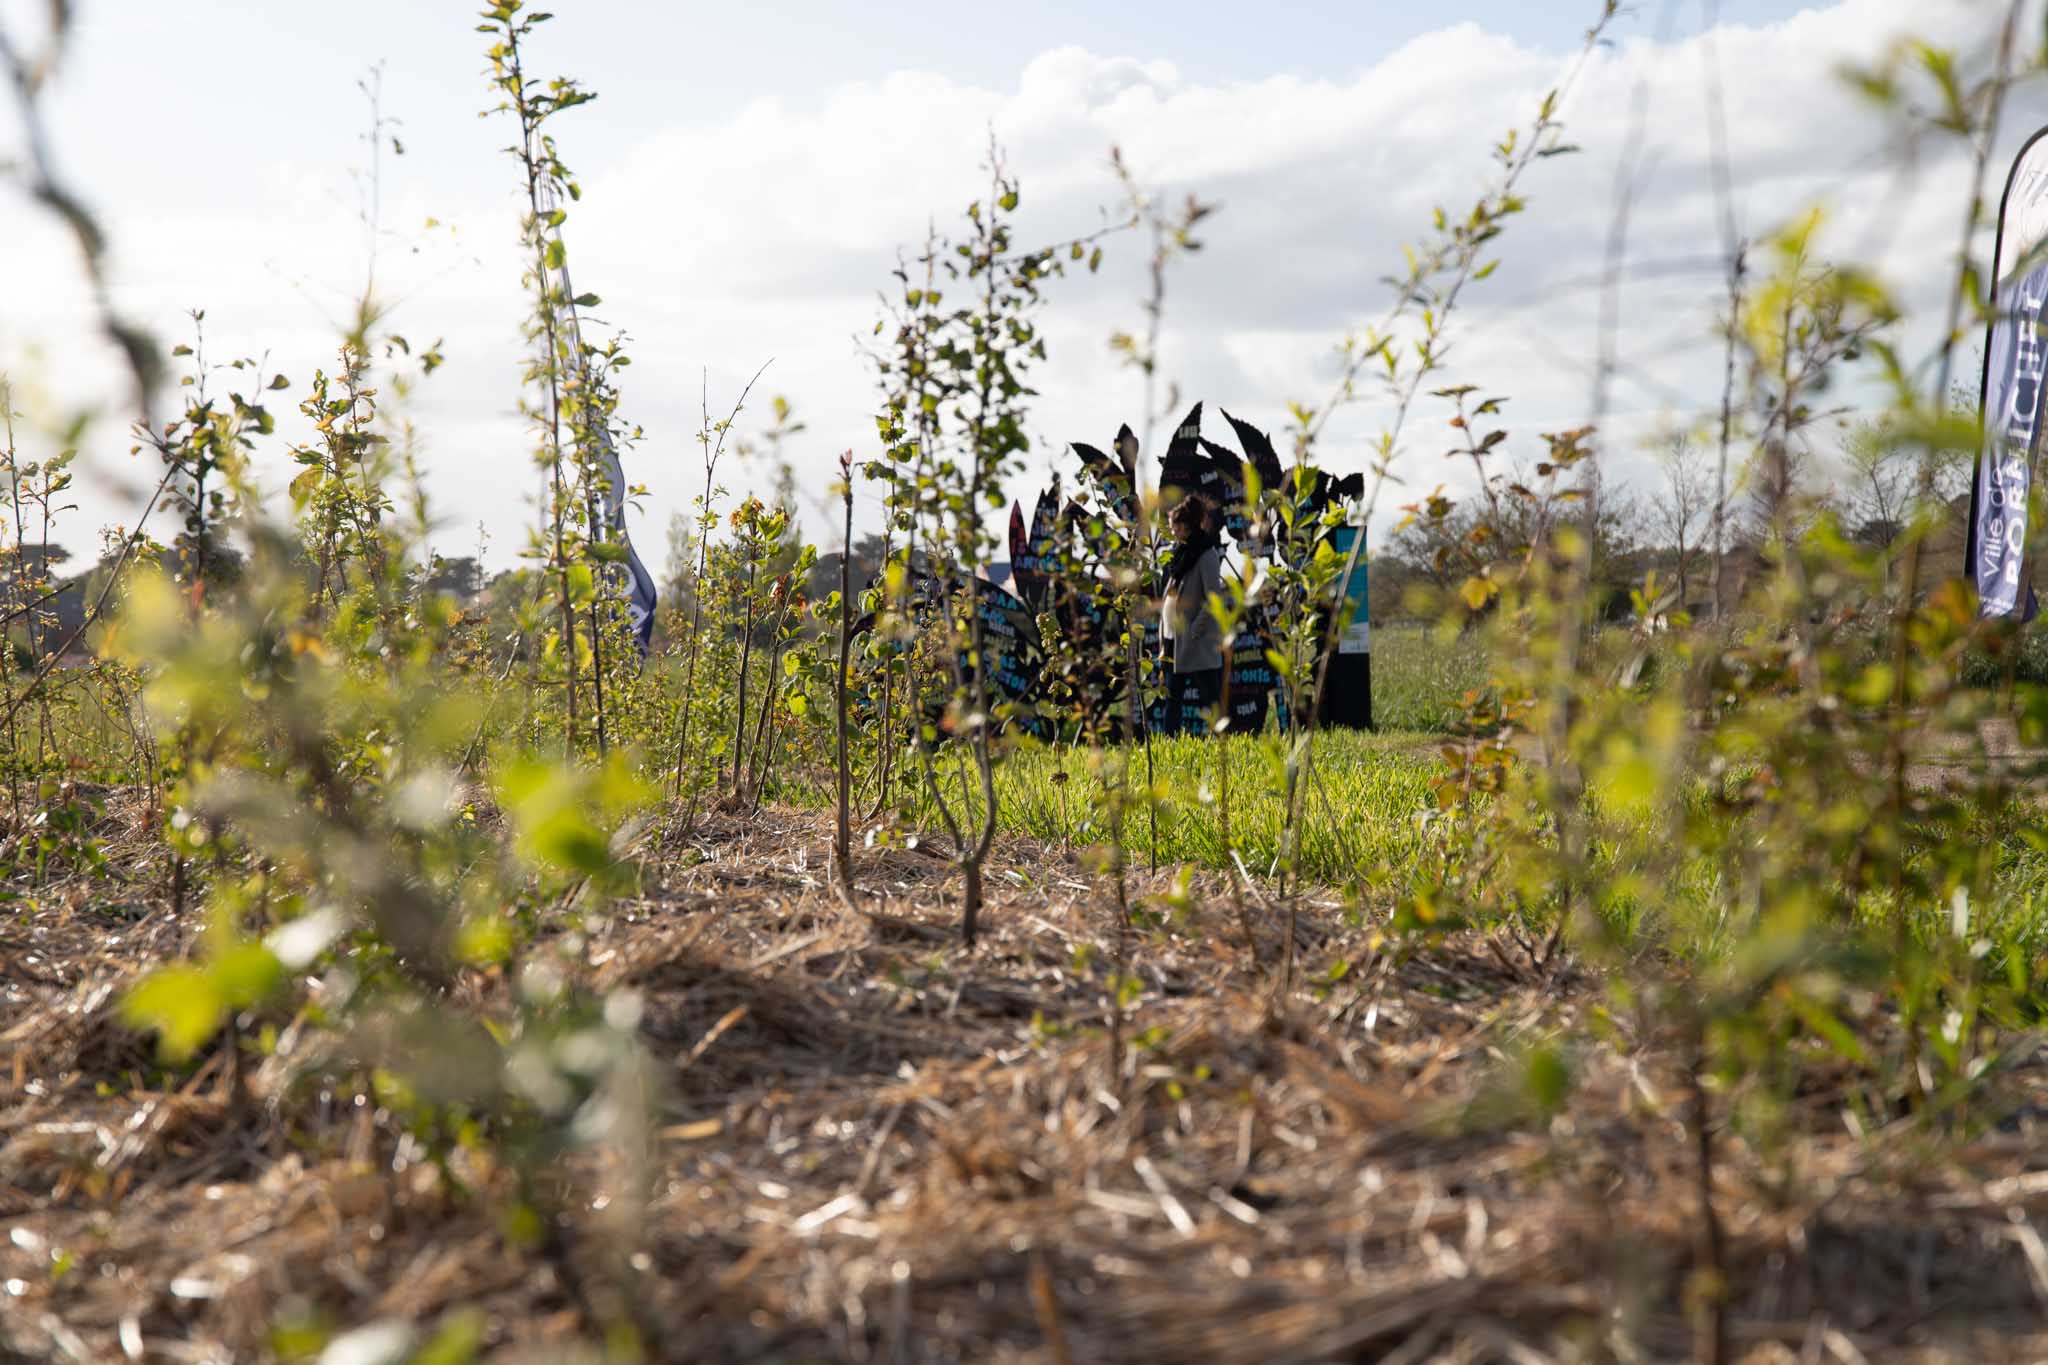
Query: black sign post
[[1347, 696]]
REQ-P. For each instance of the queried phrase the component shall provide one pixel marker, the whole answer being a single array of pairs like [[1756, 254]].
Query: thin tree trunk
[[1709, 1277], [757, 759], [739, 733], [696, 641], [842, 845], [597, 642], [1244, 921], [885, 761], [970, 899], [1123, 923], [528, 126], [1716, 569]]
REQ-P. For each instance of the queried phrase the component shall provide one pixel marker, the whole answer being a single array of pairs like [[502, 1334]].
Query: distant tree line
[[1664, 523]]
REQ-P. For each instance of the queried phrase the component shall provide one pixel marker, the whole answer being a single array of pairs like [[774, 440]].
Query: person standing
[[1194, 571]]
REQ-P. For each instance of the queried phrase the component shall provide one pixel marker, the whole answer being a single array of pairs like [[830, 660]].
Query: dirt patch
[[875, 1145]]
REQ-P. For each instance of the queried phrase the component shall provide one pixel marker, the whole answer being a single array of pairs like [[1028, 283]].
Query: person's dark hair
[[1190, 516]]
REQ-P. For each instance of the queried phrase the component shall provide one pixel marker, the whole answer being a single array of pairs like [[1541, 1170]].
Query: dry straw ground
[[879, 1147]]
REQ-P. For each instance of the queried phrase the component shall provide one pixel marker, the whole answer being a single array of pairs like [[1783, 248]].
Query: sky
[[750, 174]]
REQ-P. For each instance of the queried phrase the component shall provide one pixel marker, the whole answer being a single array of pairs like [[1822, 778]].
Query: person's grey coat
[[1197, 639]]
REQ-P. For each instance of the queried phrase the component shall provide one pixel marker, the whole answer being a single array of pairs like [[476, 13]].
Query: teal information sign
[[1357, 636]]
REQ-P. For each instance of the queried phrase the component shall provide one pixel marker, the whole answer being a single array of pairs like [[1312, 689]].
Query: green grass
[[1420, 675], [1364, 829], [1363, 809], [1365, 800]]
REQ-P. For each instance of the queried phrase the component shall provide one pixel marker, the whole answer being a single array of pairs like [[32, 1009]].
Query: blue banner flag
[[640, 594], [2012, 392]]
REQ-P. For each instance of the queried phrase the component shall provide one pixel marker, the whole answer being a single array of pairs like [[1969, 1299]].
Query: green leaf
[[245, 973], [181, 1003], [484, 939], [582, 584], [563, 816], [304, 486], [457, 1343], [1547, 1080], [568, 841], [1823, 1022]]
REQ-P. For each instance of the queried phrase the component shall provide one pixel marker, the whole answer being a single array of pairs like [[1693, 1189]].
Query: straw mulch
[[877, 1146]]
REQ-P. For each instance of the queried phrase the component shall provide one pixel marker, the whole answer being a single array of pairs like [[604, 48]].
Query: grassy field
[[1365, 799], [1369, 797], [1420, 674], [1363, 802]]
